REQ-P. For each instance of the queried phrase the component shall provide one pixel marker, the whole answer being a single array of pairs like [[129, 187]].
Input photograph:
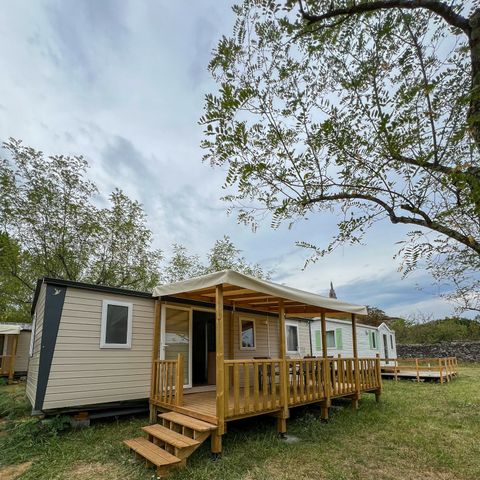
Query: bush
[[435, 331]]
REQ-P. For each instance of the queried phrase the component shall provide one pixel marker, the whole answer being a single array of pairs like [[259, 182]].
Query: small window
[[116, 325], [373, 340], [247, 329], [391, 341], [292, 338], [32, 335], [331, 339]]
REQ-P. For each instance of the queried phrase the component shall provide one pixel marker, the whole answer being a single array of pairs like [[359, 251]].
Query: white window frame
[[334, 338], [249, 319], [103, 331], [286, 338], [32, 336]]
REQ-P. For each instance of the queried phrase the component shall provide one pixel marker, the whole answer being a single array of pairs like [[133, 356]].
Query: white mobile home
[[304, 338]]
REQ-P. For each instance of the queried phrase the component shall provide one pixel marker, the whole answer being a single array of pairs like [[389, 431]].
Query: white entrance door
[[176, 335]]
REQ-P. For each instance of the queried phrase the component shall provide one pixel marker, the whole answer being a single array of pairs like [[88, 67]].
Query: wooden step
[[166, 435], [189, 422], [153, 453]]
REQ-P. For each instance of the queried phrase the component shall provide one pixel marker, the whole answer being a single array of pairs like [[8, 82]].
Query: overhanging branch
[[440, 8], [425, 221]]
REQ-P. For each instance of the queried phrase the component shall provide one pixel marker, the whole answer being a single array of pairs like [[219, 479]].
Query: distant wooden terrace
[[420, 369]]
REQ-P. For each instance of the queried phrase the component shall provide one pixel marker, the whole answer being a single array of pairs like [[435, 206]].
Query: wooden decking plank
[[190, 422], [169, 436], [151, 452]]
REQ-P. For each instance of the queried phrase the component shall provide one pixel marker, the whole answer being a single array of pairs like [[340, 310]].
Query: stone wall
[[464, 351]]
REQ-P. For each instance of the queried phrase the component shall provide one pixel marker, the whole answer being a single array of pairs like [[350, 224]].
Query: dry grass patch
[[14, 471], [94, 470]]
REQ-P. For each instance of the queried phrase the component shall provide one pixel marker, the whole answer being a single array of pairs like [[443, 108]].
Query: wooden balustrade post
[[356, 397], [395, 364], [284, 384], [179, 380], [13, 356], [325, 405], [378, 370], [418, 371], [220, 367], [340, 371], [440, 369], [155, 353]]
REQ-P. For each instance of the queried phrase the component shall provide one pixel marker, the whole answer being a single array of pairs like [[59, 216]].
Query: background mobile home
[[304, 338]]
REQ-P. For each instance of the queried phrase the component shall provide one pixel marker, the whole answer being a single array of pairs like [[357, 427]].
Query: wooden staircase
[[169, 443]]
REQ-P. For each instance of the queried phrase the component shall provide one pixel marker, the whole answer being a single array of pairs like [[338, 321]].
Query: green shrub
[[435, 331]]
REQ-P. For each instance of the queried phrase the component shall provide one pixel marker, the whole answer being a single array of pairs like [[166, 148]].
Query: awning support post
[[326, 370], [220, 366], [356, 363], [284, 384]]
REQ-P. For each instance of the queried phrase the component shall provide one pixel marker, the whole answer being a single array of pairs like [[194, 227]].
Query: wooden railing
[[167, 381], [252, 386], [264, 385], [342, 373], [370, 377], [306, 379], [5, 363], [442, 368]]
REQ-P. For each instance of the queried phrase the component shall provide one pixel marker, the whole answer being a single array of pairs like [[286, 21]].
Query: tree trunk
[[474, 111]]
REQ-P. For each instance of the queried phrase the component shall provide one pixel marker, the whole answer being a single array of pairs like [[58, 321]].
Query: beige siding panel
[[23, 347], [82, 373], [32, 374], [266, 333]]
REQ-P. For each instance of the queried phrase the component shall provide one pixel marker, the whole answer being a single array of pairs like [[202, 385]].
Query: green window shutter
[[377, 339], [318, 339], [338, 338], [370, 340]]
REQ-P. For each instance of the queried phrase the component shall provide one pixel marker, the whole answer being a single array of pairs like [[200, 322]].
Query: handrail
[[252, 385], [255, 385], [5, 363], [167, 381]]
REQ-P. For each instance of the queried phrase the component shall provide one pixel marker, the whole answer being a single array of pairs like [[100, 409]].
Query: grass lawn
[[418, 431]]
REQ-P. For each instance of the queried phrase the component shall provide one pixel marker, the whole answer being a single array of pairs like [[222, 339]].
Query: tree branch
[[426, 222], [440, 8]]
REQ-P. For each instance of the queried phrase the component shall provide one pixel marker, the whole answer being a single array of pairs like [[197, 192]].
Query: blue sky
[[123, 82]]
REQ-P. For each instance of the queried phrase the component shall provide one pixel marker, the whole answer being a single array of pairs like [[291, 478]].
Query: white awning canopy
[[244, 291], [10, 329]]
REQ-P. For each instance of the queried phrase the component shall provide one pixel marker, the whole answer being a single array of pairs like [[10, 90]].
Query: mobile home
[[75, 361], [304, 338], [201, 353], [14, 349]]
